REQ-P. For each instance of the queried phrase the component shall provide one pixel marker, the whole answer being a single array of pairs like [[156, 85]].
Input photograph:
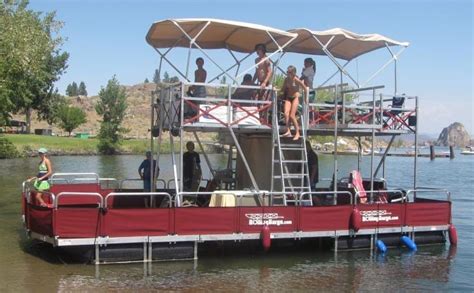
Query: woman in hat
[[44, 171]]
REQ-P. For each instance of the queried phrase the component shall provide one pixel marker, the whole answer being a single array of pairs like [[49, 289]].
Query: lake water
[[26, 266]]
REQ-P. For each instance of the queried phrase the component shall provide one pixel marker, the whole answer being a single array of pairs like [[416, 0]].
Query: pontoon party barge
[[263, 197]]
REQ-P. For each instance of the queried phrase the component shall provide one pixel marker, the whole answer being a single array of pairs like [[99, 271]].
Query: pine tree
[[166, 77], [74, 89], [156, 77], [146, 80], [69, 90], [82, 89]]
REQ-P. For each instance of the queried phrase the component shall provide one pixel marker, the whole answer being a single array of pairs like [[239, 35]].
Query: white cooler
[[239, 113], [219, 113]]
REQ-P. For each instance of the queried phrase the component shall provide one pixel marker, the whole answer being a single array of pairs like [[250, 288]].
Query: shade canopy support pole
[[394, 57]]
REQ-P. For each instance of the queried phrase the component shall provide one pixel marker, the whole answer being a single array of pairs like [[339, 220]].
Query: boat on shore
[[468, 151], [265, 197]]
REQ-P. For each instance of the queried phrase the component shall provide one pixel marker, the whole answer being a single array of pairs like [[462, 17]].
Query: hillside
[[137, 119]]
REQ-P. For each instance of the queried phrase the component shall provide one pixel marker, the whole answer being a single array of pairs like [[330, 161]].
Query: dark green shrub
[[7, 149]]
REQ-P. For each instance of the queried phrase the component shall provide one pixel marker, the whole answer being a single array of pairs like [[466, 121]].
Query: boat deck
[[88, 215]]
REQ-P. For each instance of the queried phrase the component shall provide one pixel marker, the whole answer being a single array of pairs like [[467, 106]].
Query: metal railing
[[152, 195], [75, 194], [334, 194], [162, 181], [428, 190], [60, 176], [220, 109], [370, 195], [106, 182]]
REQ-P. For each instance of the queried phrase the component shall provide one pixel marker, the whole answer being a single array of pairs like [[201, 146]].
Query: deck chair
[[393, 118], [357, 183]]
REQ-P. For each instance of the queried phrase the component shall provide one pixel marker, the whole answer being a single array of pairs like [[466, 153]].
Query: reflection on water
[[349, 271], [28, 266]]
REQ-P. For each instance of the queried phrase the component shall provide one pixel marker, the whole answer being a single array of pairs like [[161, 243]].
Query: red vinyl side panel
[[58, 188], [77, 222], [136, 222], [40, 220], [325, 218], [428, 214], [278, 219], [382, 215], [191, 221]]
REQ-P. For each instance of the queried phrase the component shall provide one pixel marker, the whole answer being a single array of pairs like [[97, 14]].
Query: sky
[[106, 38]]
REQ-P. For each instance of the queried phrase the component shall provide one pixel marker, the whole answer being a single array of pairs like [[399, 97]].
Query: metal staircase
[[290, 158]]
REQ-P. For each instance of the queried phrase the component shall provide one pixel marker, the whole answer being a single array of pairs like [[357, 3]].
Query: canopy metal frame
[[194, 44], [341, 67], [279, 50]]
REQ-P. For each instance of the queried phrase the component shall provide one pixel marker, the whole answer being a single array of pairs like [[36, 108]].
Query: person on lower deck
[[313, 165], [144, 171], [191, 168], [291, 96], [41, 183]]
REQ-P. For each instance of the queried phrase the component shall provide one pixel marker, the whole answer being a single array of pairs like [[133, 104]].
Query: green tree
[[166, 77], [156, 76], [111, 106], [278, 81], [174, 79], [70, 118], [82, 89], [223, 89], [7, 149], [72, 89], [31, 60], [68, 90], [146, 80]]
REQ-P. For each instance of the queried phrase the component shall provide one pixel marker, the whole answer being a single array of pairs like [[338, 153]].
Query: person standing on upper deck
[[263, 71], [191, 168], [291, 97], [144, 171], [200, 75], [308, 73]]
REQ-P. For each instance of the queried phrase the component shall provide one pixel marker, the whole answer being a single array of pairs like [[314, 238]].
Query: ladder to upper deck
[[290, 158]]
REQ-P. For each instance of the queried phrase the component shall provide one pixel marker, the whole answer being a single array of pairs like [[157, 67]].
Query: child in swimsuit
[[200, 75], [309, 70], [291, 90]]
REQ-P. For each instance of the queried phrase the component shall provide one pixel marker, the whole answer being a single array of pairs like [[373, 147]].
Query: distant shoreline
[[28, 144]]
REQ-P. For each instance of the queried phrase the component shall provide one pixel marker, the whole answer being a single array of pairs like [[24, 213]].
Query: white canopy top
[[219, 34], [345, 45]]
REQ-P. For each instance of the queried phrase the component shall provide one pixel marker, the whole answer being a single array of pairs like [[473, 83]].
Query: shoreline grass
[[28, 144]]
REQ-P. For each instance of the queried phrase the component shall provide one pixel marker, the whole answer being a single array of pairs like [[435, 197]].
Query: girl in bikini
[[291, 90]]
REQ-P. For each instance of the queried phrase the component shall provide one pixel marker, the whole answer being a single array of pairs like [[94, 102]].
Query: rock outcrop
[[455, 135]]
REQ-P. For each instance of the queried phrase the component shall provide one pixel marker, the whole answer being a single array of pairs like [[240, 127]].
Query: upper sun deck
[[356, 110], [360, 111]]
